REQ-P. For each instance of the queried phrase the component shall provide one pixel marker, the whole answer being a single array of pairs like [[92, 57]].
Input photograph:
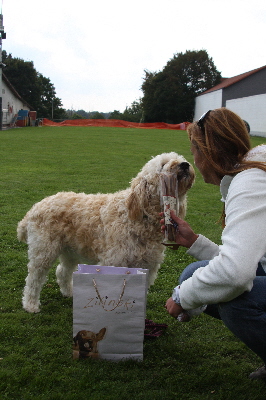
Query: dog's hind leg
[[41, 257], [34, 282], [64, 271]]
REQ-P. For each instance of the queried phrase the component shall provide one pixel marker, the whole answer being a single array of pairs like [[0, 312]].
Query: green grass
[[198, 360]]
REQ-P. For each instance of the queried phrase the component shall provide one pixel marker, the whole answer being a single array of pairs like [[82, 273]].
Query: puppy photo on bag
[[86, 343]]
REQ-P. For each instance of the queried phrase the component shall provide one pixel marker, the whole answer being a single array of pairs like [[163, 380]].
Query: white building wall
[[208, 101], [253, 110], [10, 104]]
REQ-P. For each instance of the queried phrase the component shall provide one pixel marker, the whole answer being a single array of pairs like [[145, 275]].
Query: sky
[[95, 52]]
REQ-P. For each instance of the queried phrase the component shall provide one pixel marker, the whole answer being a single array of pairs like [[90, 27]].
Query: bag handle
[[101, 301]]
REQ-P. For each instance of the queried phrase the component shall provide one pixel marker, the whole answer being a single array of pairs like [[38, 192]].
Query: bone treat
[[169, 201]]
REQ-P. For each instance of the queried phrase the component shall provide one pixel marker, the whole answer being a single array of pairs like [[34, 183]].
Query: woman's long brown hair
[[224, 142]]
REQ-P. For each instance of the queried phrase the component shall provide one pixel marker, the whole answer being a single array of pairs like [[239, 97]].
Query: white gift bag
[[109, 309]]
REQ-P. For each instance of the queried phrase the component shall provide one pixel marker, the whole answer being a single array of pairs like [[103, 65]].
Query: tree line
[[168, 95], [134, 113]]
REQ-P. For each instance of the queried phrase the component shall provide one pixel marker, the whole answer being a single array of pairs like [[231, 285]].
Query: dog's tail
[[22, 232]]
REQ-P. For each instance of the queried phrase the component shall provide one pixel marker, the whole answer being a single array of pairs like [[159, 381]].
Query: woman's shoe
[[260, 373]]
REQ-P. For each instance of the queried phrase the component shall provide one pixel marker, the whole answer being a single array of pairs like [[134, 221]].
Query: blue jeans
[[245, 315]]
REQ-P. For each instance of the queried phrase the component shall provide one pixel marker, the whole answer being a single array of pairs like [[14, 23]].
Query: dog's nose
[[184, 166]]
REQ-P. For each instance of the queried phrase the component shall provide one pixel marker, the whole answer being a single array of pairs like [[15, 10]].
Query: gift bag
[[109, 308]]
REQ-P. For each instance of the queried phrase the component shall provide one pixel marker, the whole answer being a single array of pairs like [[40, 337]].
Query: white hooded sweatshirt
[[232, 267]]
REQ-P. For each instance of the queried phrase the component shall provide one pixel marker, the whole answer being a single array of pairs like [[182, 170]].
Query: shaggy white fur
[[120, 229]]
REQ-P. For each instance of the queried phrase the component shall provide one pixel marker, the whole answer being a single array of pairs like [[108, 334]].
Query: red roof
[[225, 82]]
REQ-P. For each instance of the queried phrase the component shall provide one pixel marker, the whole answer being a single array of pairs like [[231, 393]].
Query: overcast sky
[[95, 52]]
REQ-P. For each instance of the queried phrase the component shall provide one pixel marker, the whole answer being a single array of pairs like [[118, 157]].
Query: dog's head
[[145, 188], [86, 342]]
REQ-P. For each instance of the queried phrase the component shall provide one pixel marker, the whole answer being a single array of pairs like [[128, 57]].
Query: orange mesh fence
[[116, 123]]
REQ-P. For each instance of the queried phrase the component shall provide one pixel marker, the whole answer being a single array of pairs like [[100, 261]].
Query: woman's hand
[[176, 311], [185, 236]]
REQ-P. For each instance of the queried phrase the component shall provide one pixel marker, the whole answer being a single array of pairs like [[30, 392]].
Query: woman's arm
[[232, 271]]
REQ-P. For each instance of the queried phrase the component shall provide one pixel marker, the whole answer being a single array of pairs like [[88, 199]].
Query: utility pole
[[2, 36]]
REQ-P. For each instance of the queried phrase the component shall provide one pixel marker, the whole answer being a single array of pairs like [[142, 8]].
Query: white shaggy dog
[[120, 229]]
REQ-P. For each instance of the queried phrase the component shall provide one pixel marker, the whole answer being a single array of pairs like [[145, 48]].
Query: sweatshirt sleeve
[[233, 268], [203, 249]]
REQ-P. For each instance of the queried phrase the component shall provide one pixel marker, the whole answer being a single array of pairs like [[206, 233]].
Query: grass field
[[200, 360]]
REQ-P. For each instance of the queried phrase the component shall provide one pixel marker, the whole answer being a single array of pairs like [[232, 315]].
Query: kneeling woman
[[229, 281]]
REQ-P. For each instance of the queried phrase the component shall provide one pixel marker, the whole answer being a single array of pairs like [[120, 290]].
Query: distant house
[[12, 102], [244, 94]]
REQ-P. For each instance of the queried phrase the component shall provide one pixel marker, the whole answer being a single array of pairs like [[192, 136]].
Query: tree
[[37, 90], [97, 115], [76, 116], [169, 95], [134, 112], [50, 105], [116, 115], [153, 101], [83, 114]]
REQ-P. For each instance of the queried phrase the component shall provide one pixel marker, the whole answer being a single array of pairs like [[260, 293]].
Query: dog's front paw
[[30, 305], [32, 308]]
